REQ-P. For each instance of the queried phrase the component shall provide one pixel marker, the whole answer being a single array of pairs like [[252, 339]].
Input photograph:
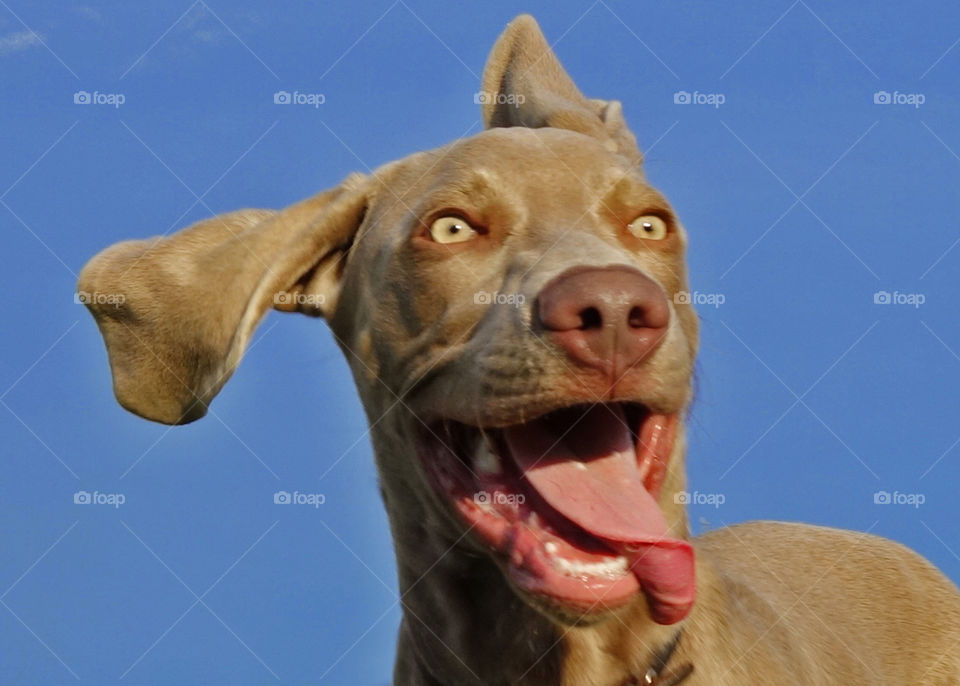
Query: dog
[[507, 307]]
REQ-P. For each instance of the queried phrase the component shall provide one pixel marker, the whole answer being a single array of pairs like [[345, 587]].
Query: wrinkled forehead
[[559, 173], [541, 158]]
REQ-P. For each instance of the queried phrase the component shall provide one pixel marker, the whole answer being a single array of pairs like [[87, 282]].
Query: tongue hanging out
[[585, 465]]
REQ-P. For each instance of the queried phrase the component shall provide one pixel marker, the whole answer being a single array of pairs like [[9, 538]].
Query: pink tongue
[[591, 477]]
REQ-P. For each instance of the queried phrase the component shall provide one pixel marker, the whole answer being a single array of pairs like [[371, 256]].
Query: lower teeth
[[611, 569]]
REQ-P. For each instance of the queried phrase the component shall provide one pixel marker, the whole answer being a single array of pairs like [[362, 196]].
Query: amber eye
[[649, 226], [452, 230]]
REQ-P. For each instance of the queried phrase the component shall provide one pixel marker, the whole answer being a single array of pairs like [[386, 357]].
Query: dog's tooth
[[550, 547], [485, 460], [610, 569]]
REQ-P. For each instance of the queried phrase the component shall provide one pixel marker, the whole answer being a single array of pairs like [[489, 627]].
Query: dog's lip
[[501, 413], [543, 553]]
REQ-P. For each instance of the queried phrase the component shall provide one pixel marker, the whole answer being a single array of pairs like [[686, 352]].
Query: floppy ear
[[524, 84], [177, 312]]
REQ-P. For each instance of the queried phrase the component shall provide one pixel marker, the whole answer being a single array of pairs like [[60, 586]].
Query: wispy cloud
[[89, 13], [202, 26], [18, 42]]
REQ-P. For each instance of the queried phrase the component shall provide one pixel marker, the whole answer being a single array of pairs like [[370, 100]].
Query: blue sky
[[807, 194]]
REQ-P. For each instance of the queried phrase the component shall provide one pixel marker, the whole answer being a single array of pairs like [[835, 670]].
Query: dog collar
[[656, 674]]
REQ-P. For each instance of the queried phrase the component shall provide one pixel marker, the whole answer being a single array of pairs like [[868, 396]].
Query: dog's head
[[512, 308]]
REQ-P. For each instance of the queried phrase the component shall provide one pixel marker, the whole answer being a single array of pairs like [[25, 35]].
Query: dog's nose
[[608, 318]]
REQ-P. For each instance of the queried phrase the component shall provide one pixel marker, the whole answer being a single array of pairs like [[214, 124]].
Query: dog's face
[[464, 240], [482, 249], [512, 308]]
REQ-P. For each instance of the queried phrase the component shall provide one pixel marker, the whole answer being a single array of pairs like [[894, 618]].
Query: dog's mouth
[[567, 504]]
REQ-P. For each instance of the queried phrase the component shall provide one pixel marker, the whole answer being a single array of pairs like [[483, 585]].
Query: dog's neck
[[463, 623]]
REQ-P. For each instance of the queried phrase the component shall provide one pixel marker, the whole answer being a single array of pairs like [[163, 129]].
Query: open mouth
[[567, 504]]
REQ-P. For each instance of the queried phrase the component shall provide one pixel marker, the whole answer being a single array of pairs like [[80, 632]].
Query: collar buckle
[[655, 676]]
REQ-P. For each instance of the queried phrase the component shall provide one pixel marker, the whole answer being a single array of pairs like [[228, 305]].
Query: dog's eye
[[452, 230], [649, 226]]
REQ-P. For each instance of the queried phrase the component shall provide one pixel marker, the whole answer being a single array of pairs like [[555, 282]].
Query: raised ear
[[524, 84], [177, 312]]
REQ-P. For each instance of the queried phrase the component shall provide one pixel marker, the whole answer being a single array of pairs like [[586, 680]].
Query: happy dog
[[509, 305]]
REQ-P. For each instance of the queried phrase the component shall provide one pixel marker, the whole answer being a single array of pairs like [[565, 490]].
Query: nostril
[[590, 318], [637, 318]]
